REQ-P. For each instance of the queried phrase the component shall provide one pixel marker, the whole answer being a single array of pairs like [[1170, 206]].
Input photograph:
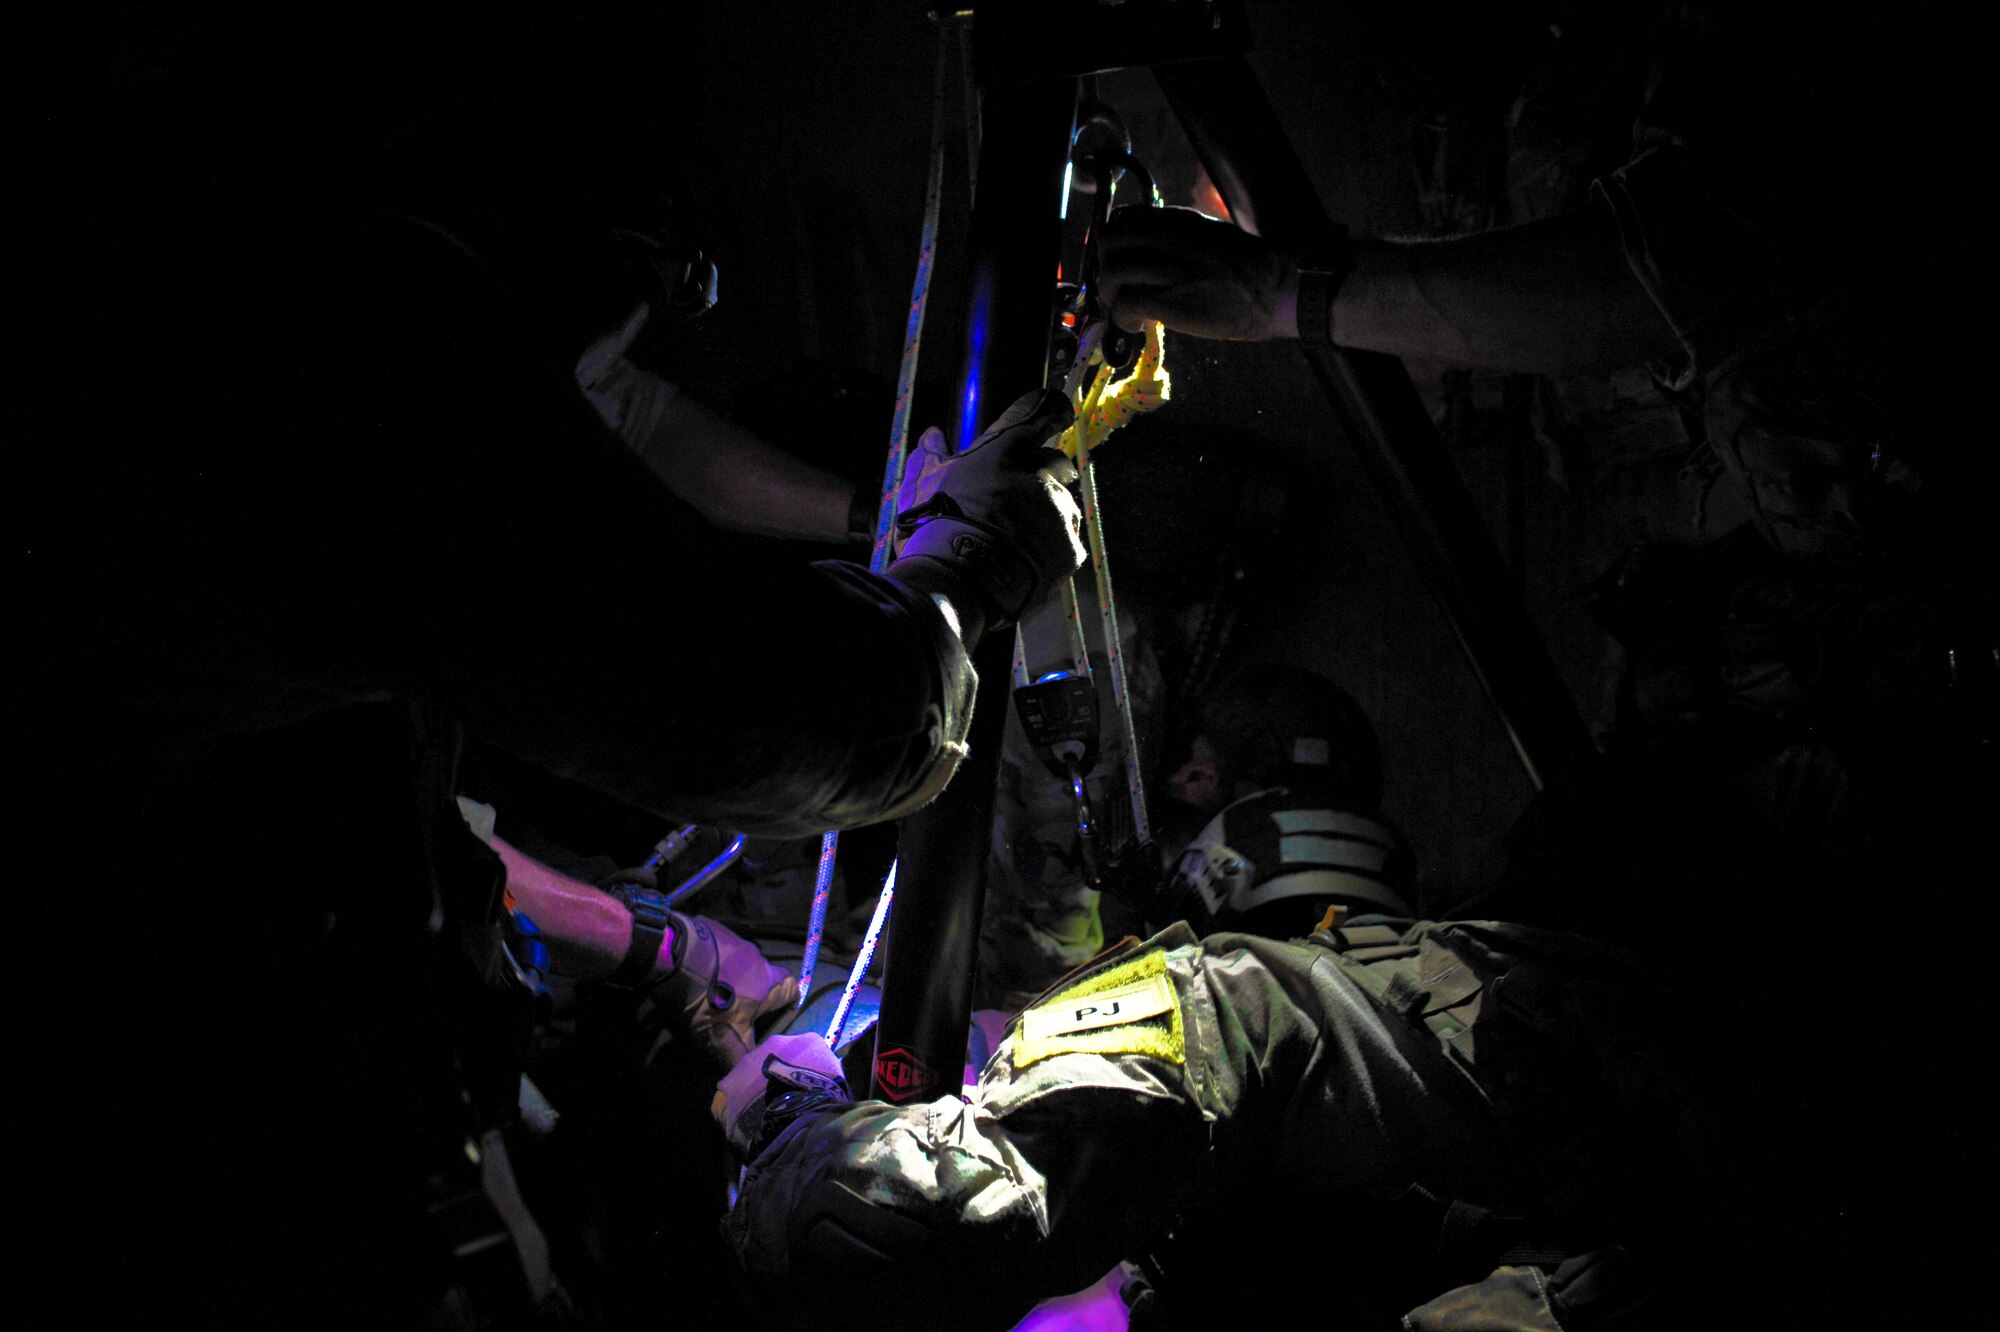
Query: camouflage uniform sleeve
[[453, 524], [1132, 1093], [799, 700]]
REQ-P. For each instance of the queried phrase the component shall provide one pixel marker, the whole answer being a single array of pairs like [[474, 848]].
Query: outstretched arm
[[453, 525], [710, 982], [588, 931], [1551, 297], [735, 478]]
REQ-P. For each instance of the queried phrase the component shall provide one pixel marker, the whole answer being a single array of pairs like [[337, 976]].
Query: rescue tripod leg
[[934, 948], [1027, 57], [1246, 152]]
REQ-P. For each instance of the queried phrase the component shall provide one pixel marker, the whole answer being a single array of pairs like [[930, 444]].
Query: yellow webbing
[[1103, 406]]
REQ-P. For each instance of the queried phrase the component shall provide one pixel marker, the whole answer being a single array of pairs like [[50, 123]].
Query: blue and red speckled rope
[[885, 519]]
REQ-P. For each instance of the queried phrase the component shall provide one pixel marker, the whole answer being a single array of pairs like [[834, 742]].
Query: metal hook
[[1086, 824], [702, 876]]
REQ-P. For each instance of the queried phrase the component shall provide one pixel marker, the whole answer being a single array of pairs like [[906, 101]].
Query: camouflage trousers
[[1320, 1079]]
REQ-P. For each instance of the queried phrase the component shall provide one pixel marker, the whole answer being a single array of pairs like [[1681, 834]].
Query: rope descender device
[[1112, 377]]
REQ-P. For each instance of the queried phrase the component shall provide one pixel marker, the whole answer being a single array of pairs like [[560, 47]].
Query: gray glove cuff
[[990, 563]]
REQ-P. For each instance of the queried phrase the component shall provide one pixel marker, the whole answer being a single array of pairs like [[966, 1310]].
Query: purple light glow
[[1095, 1308]]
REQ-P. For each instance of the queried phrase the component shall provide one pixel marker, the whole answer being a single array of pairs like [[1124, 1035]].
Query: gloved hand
[[779, 1080], [996, 518], [1197, 276], [721, 990]]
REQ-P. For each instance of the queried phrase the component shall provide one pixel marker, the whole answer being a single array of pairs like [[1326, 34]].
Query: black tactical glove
[[996, 518]]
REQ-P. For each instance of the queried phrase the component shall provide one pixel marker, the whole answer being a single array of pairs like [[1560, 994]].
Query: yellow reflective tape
[[1127, 1009]]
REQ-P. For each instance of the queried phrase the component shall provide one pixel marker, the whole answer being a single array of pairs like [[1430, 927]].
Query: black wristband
[[984, 560], [1322, 268], [651, 919]]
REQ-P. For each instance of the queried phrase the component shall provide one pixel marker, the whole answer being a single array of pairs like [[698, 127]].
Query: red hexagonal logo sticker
[[902, 1076]]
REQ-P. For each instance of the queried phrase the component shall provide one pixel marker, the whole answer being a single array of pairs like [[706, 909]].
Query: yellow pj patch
[[1129, 1009]]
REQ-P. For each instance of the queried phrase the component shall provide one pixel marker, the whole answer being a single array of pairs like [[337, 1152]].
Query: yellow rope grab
[[1104, 406]]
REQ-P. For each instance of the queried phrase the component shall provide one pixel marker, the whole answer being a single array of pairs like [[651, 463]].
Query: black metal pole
[[1249, 157], [933, 944]]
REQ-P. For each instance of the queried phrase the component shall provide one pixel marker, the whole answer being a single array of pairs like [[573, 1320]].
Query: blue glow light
[[1069, 172], [978, 325]]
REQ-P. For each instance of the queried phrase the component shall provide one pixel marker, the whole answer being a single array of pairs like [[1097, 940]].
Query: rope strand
[[892, 471]]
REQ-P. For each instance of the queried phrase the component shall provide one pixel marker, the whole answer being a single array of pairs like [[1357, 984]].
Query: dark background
[[812, 144], [807, 153], [789, 139]]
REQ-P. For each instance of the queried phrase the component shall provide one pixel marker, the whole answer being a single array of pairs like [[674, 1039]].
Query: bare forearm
[[587, 931], [741, 481], [1551, 297]]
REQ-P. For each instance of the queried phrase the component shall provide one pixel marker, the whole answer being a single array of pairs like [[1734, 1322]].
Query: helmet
[[1272, 864], [1276, 725]]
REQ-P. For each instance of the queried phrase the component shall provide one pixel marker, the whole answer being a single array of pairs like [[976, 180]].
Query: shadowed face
[[1198, 783]]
